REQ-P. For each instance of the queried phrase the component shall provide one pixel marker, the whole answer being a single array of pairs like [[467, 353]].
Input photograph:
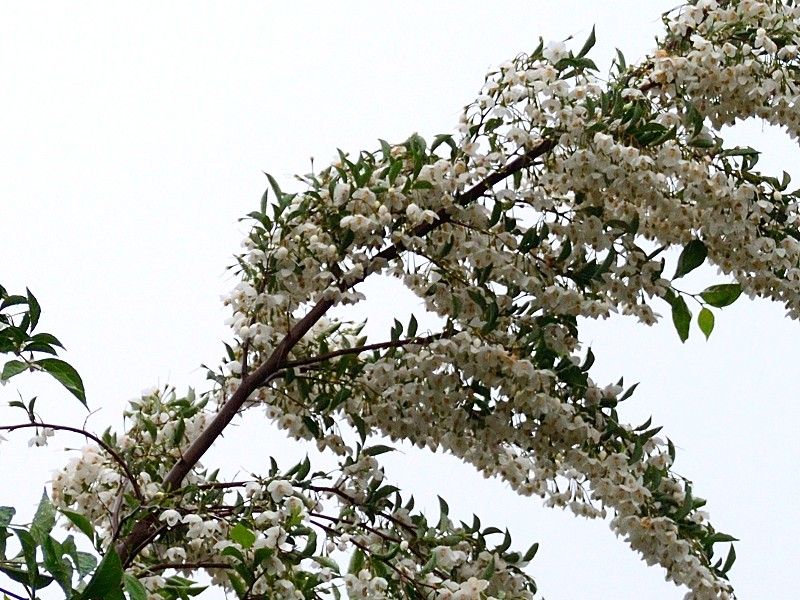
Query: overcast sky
[[134, 135]]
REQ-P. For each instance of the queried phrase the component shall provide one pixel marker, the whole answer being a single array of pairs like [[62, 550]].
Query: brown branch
[[144, 529], [136, 490], [193, 565], [304, 362], [471, 195], [222, 485], [353, 502], [402, 575]]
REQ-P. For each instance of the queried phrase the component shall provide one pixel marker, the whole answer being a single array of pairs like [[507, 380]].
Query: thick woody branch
[[145, 528]]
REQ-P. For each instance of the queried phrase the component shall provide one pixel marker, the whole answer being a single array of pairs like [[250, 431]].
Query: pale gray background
[[133, 138]]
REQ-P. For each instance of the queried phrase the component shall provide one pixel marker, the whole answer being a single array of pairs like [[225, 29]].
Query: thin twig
[[303, 362], [136, 490], [12, 594], [194, 565]]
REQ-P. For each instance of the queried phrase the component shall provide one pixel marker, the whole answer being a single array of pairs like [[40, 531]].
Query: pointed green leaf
[[6, 514], [681, 317], [729, 560], [65, 374], [264, 200], [134, 587], [588, 45], [107, 580], [58, 567], [356, 561], [531, 552], [44, 520], [11, 368], [722, 294], [242, 535], [691, 257], [377, 449], [13, 300], [706, 321], [85, 563], [34, 309], [29, 553], [412, 327], [81, 522]]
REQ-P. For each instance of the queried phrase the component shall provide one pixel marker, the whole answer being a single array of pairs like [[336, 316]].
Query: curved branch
[[114, 454]]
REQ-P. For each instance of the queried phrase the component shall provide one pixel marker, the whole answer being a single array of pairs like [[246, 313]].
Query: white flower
[[171, 516], [555, 51], [279, 489]]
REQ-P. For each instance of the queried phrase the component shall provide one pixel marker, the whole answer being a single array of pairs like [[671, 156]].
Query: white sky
[[133, 136]]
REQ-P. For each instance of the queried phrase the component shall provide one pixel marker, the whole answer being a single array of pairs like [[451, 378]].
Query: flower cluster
[[278, 536]]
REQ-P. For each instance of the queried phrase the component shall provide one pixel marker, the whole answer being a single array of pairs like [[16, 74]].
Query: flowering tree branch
[[538, 217]]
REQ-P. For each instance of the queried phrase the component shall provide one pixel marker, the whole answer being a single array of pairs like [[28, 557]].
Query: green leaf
[[29, 553], [22, 576], [706, 321], [81, 522], [701, 142], [444, 509], [531, 552], [33, 309], [377, 449], [729, 560], [394, 171], [412, 327], [238, 585], [106, 582], [505, 544], [13, 300], [233, 551], [356, 562], [276, 189], [720, 537], [44, 520], [66, 375], [739, 151], [692, 257], [722, 295], [325, 561], [588, 44], [58, 567], [6, 514], [428, 566], [11, 368], [488, 572], [681, 317], [242, 536], [134, 587], [566, 250], [85, 563], [621, 65]]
